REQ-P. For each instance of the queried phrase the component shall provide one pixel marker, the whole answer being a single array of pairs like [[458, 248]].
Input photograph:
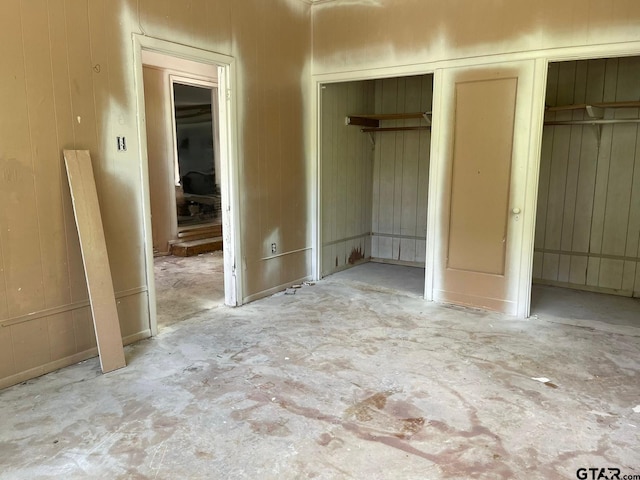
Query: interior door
[[485, 131]]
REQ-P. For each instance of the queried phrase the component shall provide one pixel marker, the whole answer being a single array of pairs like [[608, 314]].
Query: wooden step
[[198, 232], [190, 248]]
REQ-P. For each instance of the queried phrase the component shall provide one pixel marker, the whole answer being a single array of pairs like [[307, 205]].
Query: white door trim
[[229, 165], [194, 82]]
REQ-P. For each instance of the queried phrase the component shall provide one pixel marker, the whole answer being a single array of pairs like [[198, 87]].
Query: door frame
[[542, 59], [232, 234]]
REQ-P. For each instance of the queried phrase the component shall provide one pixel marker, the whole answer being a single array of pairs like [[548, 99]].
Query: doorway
[[197, 163], [587, 243], [212, 190]]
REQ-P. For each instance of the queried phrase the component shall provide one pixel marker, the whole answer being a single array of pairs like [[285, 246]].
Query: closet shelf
[[595, 112], [582, 106], [371, 122]]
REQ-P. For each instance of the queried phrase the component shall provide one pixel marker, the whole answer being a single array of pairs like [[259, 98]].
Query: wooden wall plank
[[342, 164], [399, 169], [369, 165], [62, 335], [545, 173], [45, 153], [386, 143], [573, 173], [96, 262], [426, 102], [327, 166], [66, 139], [81, 77], [602, 178], [411, 164], [269, 123], [558, 176], [29, 350], [376, 194], [543, 187], [83, 330], [353, 137], [23, 271], [7, 363], [633, 233]]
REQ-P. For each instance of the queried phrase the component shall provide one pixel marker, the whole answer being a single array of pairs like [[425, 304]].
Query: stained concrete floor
[[186, 286], [343, 380]]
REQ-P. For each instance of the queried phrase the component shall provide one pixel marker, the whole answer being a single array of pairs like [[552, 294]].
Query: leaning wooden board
[[95, 259]]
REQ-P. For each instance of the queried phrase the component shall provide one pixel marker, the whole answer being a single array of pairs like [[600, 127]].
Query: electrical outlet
[[274, 248], [122, 144]]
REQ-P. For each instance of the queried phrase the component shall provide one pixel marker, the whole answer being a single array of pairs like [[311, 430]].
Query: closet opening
[[587, 241], [375, 139]]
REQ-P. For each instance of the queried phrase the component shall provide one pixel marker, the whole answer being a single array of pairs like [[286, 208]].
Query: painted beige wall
[[67, 82], [588, 225], [160, 152], [351, 35]]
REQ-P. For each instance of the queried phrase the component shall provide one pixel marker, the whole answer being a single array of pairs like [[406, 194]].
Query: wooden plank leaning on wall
[[95, 259]]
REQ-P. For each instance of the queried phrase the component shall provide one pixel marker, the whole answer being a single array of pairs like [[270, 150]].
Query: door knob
[[516, 211]]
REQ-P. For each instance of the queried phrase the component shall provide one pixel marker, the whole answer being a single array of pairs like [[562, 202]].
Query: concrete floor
[[343, 380], [186, 286]]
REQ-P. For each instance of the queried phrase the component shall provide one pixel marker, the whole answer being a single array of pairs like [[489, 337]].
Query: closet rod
[[594, 122], [394, 129]]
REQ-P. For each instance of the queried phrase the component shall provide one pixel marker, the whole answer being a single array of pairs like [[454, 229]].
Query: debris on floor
[[546, 381]]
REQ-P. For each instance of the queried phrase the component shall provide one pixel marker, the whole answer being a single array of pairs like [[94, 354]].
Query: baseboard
[[271, 291], [136, 337], [47, 368], [347, 267], [402, 263], [584, 288], [65, 362]]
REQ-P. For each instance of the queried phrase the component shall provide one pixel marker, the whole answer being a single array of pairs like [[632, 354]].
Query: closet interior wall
[[588, 216], [346, 176], [401, 173], [374, 186]]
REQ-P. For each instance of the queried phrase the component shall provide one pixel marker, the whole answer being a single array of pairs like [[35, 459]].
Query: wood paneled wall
[[66, 69], [346, 170], [401, 173], [588, 217], [160, 152], [63, 80], [374, 189]]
